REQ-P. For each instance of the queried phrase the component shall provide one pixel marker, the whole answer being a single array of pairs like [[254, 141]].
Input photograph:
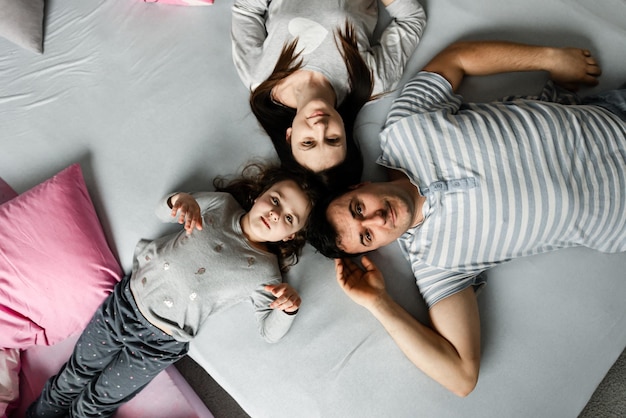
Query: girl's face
[[317, 136], [278, 214]]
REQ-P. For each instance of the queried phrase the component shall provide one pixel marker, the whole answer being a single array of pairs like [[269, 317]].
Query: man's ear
[[288, 135], [289, 238]]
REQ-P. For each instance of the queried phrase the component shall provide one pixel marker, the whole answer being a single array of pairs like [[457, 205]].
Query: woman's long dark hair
[[275, 118], [256, 179]]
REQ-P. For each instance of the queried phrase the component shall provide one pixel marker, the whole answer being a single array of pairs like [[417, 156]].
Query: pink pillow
[[55, 264], [183, 2]]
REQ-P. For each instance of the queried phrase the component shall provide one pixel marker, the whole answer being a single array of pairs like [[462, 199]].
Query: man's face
[[371, 216]]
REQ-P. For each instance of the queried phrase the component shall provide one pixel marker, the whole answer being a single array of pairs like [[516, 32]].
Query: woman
[[311, 67]]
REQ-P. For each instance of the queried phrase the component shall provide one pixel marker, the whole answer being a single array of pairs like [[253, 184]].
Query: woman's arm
[[397, 43], [248, 34]]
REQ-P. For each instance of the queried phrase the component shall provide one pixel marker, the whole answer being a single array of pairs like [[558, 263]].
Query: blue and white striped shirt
[[503, 180]]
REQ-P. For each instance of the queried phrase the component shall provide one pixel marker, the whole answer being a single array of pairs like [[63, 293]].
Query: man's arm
[[568, 67], [449, 352]]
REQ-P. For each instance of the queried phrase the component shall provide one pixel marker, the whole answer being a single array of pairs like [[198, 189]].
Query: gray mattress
[[146, 98]]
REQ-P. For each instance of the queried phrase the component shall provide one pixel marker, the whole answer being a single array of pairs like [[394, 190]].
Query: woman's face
[[317, 136]]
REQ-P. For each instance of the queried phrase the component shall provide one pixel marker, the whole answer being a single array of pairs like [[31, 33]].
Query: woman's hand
[[188, 211], [287, 298]]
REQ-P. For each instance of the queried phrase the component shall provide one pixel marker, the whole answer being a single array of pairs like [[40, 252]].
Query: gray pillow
[[21, 22]]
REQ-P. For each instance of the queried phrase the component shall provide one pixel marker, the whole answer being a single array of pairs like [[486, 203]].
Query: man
[[474, 185]]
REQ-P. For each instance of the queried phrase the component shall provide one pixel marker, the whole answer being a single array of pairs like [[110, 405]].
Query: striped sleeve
[[426, 92], [437, 284]]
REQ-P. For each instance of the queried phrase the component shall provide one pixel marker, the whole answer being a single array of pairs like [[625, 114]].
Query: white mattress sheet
[[146, 98], [552, 325]]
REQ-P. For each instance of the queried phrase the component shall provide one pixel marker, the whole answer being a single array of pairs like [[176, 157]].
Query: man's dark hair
[[321, 234]]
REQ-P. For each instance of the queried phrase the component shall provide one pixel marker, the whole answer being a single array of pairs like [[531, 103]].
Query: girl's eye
[[275, 201], [307, 143], [333, 141], [368, 236], [289, 219], [359, 209]]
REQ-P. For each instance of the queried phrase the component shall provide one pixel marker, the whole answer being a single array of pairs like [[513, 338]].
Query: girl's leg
[[116, 356], [146, 351], [129, 372], [87, 361]]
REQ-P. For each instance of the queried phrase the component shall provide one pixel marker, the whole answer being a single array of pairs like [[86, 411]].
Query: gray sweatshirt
[[260, 28], [179, 280]]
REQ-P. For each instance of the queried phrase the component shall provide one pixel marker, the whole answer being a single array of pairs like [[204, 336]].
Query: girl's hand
[[188, 211], [287, 299]]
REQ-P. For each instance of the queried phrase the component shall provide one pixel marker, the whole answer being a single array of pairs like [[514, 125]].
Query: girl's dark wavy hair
[[256, 179], [275, 118]]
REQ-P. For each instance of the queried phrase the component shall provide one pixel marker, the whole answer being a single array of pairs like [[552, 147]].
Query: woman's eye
[[307, 143], [359, 209], [333, 141], [275, 201], [289, 219], [368, 236]]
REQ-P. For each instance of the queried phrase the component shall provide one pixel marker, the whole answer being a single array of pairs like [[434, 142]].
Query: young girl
[[324, 71], [233, 247]]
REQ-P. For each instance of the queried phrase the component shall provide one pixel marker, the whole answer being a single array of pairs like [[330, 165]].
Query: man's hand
[[365, 287], [287, 298], [188, 211], [573, 67]]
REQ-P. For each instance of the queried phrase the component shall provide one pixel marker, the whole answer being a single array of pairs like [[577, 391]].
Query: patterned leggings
[[118, 353]]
